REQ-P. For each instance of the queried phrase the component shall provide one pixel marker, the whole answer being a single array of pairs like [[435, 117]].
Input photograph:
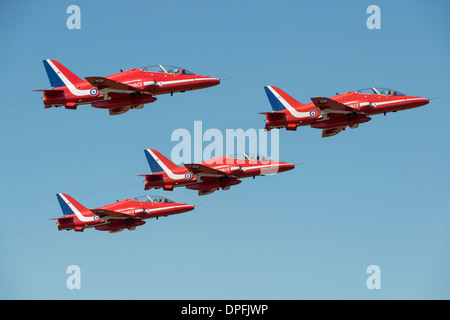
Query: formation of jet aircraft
[[132, 89]]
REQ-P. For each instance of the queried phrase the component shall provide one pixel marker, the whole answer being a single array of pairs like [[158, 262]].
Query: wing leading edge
[[109, 85], [330, 108]]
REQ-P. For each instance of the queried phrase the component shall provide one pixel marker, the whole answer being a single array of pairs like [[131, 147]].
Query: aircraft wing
[[108, 213], [330, 108], [108, 85], [199, 171]]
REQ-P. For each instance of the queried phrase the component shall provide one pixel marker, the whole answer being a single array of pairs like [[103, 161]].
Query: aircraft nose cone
[[422, 102], [286, 166], [207, 82], [187, 207], [414, 102], [214, 81]]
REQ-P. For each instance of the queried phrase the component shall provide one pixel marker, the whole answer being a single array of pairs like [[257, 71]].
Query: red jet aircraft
[[334, 114], [126, 214], [119, 92], [211, 175]]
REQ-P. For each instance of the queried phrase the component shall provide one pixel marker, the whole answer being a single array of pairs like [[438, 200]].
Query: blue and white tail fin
[[70, 206], [59, 75], [280, 100], [158, 164], [152, 161]]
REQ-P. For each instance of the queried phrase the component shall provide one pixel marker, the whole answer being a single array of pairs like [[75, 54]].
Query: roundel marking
[[93, 91], [96, 218], [313, 113], [188, 176], [323, 101]]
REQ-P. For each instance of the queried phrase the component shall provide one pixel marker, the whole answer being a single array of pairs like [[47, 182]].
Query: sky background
[[377, 195]]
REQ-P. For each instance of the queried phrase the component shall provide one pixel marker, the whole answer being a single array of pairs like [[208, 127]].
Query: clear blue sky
[[375, 195]]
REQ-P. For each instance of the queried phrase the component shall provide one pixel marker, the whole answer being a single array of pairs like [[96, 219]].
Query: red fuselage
[[218, 173], [363, 104], [126, 214], [121, 91]]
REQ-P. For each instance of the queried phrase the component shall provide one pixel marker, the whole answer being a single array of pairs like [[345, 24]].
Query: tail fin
[[280, 100], [70, 206], [59, 75], [158, 162]]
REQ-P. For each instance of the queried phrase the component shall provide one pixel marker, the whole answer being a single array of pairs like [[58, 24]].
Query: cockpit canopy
[[152, 199], [162, 68], [248, 156], [380, 91]]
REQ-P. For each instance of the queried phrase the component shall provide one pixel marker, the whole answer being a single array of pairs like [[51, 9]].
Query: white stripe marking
[[79, 215], [181, 81], [68, 84], [395, 101], [291, 109], [162, 209], [164, 167]]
